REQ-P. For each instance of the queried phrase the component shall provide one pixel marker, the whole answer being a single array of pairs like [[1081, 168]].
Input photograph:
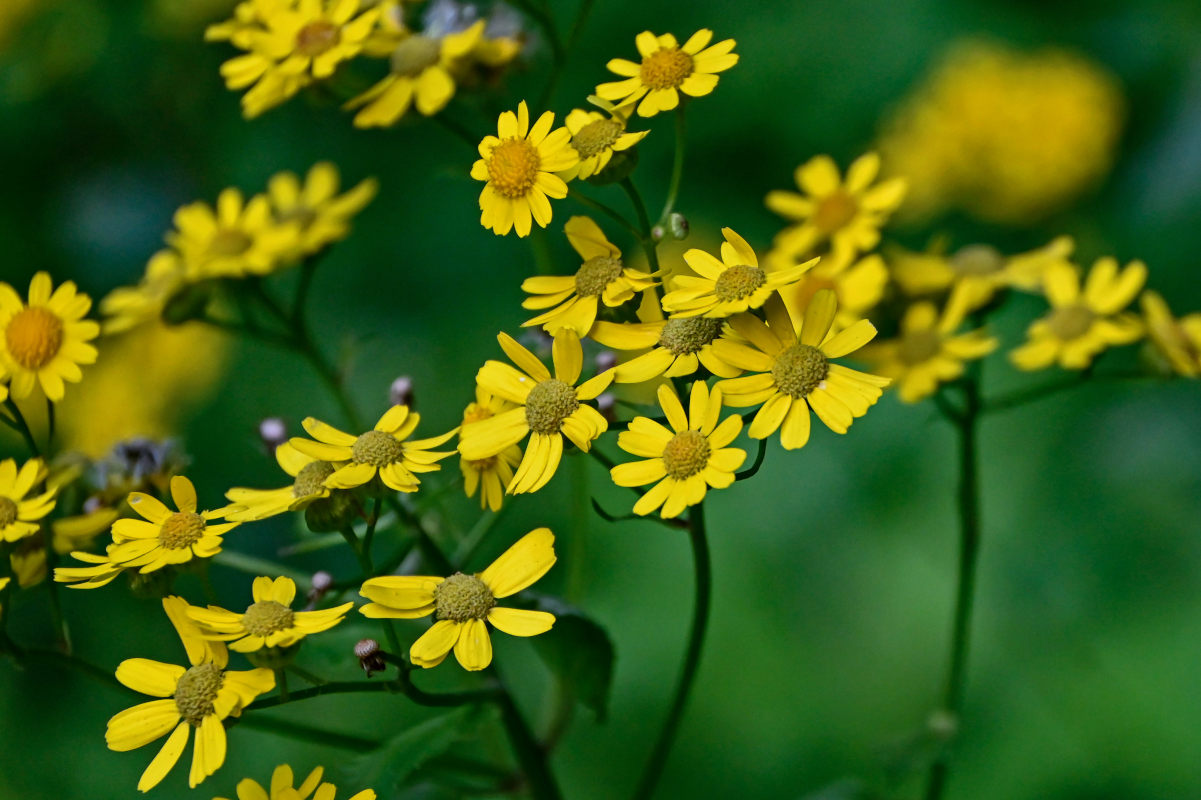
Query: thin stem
[[281, 680], [969, 545], [750, 471], [616, 216], [1033, 394], [692, 654], [56, 607], [22, 427], [291, 729], [338, 687], [677, 167], [50, 424], [458, 129], [552, 82], [306, 676], [369, 535], [542, 17], [530, 754], [647, 239], [352, 540]]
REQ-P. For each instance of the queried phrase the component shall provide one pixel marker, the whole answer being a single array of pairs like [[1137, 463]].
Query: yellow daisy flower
[[667, 69], [20, 514], [129, 306], [519, 166], [794, 372], [596, 137], [847, 213], [45, 341], [928, 351], [685, 463], [491, 475], [858, 288], [462, 602], [310, 473], [28, 558], [547, 408], [733, 284], [1083, 323], [1179, 340], [385, 451], [602, 277], [198, 697], [268, 622], [281, 788], [423, 75], [234, 239], [294, 43], [323, 214]]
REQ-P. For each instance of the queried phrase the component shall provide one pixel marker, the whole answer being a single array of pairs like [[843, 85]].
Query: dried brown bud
[[368, 653]]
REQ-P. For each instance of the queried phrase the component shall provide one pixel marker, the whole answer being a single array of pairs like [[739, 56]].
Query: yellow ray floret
[[1178, 340]]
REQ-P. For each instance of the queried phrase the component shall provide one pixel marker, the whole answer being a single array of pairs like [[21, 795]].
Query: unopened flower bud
[[605, 360], [368, 654], [657, 233], [677, 223], [273, 432], [401, 391], [606, 404], [319, 584]]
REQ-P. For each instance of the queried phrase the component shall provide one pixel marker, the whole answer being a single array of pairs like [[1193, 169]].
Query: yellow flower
[[20, 514], [519, 165], [602, 277], [291, 44], [1082, 324], [667, 69], [43, 343], [795, 373], [309, 485], [268, 622], [462, 602], [1179, 340], [385, 451], [847, 213], [198, 697], [28, 558], [928, 351], [595, 137], [232, 240], [491, 475], [686, 460], [858, 287], [281, 788], [323, 214], [548, 409], [733, 284], [129, 306], [423, 74]]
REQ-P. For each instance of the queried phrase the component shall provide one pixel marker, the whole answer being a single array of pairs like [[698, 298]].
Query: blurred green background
[[834, 568]]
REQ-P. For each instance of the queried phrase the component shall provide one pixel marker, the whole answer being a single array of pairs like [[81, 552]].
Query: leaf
[[580, 654]]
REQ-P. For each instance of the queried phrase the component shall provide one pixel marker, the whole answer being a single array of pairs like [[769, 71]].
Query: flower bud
[[273, 432], [677, 223], [605, 360], [368, 654], [319, 584], [401, 391], [606, 404]]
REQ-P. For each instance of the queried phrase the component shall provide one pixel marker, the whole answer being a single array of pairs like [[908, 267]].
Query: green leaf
[[580, 654]]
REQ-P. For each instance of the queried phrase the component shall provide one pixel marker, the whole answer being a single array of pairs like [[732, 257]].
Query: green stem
[[353, 541], [529, 752], [647, 239], [22, 427], [969, 545], [677, 167], [552, 82], [458, 129], [369, 535], [290, 729], [338, 687], [613, 214], [56, 606], [1033, 394], [306, 676], [281, 680], [754, 468], [253, 565], [692, 654]]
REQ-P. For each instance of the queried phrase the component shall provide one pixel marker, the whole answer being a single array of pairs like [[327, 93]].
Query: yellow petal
[[519, 622], [166, 758], [522, 564], [474, 647]]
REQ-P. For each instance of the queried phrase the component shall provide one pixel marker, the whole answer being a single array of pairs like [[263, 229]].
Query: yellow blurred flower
[[1179, 340], [236, 238], [44, 342], [314, 204], [21, 511], [858, 287], [667, 70], [281, 788], [129, 306], [28, 557]]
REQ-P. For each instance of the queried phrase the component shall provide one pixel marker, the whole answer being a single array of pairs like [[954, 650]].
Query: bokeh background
[[834, 568]]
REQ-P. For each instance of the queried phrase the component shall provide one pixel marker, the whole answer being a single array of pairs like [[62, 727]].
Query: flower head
[[859, 287], [596, 137], [268, 622], [309, 486], [461, 603], [129, 306], [43, 342], [322, 214], [491, 475], [1178, 340], [21, 511], [234, 239], [519, 166], [668, 69], [281, 788]]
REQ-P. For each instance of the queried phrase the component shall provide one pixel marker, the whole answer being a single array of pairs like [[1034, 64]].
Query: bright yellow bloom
[[1083, 323], [847, 213], [323, 214], [928, 351], [129, 306], [794, 372], [1179, 340], [198, 697], [667, 69], [686, 460], [384, 451], [519, 165], [462, 602], [291, 44], [234, 239], [423, 75], [733, 284], [859, 287], [281, 788], [21, 514], [310, 473], [596, 137], [491, 475], [548, 409], [602, 277], [268, 622], [44, 342]]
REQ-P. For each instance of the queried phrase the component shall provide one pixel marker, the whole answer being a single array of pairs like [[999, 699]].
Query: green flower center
[[316, 38], [665, 69], [595, 137], [1071, 322], [686, 454], [977, 259], [462, 597], [513, 168], [267, 617], [548, 404], [181, 529], [415, 54], [686, 336], [377, 448], [8, 512], [738, 282], [34, 336], [228, 243], [918, 347], [196, 692], [310, 481], [595, 274], [799, 370], [834, 211]]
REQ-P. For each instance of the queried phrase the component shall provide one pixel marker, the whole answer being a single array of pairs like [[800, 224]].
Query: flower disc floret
[[311, 480], [918, 347], [688, 335], [835, 211], [977, 259], [415, 54], [34, 337], [800, 369], [595, 274], [229, 242], [665, 69], [738, 281], [8, 512], [181, 529], [548, 404], [266, 617], [462, 597], [686, 454], [317, 37], [377, 448], [1071, 322], [596, 136], [196, 692], [513, 168]]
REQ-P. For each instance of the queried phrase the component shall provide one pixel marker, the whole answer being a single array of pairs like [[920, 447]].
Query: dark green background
[[834, 568]]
